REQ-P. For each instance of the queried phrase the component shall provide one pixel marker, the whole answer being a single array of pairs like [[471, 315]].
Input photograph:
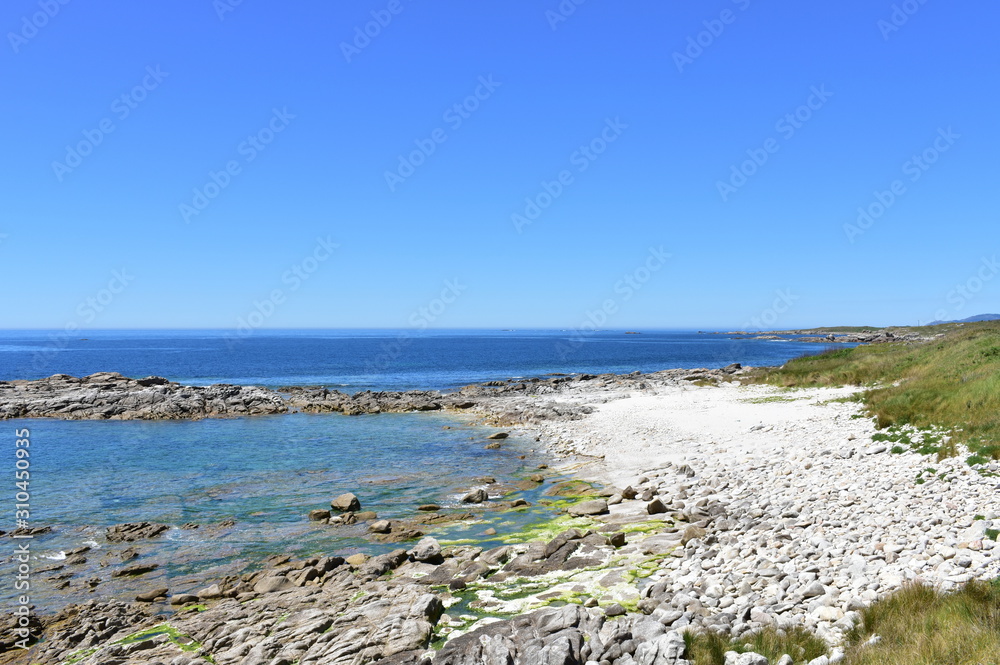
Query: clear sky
[[497, 164]]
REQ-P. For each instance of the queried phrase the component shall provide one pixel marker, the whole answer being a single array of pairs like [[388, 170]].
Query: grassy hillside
[[951, 382]]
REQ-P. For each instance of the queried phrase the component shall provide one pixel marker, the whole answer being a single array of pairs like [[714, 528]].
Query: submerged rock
[[476, 496], [127, 533], [152, 594]]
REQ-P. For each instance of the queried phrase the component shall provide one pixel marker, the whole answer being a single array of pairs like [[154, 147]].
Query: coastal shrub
[[709, 648], [919, 624]]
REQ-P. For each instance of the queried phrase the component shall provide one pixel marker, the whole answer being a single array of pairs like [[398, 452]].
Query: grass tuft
[[921, 625], [709, 648]]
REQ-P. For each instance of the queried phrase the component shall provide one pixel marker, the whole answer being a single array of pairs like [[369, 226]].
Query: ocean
[[250, 482]]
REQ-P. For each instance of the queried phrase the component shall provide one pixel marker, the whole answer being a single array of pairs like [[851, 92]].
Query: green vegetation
[[770, 399], [77, 656], [709, 648], [648, 526], [645, 568], [922, 625], [951, 383], [548, 529], [185, 642]]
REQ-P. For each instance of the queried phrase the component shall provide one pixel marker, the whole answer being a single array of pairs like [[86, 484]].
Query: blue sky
[[586, 146]]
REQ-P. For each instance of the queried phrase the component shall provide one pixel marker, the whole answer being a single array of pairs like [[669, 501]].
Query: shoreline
[[745, 514]]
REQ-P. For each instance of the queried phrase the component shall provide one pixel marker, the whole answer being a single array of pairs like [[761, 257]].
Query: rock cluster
[[570, 635], [810, 538], [131, 532], [109, 395], [311, 611]]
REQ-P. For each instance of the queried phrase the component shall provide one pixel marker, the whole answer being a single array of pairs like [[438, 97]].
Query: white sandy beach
[[644, 430], [807, 519]]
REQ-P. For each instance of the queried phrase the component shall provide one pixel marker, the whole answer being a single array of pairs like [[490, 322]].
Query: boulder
[[346, 503], [380, 526], [135, 570], [151, 595], [272, 584], [593, 507], [319, 515], [183, 599], [614, 610], [692, 533], [814, 590], [427, 551], [665, 649], [476, 496], [210, 592], [656, 507]]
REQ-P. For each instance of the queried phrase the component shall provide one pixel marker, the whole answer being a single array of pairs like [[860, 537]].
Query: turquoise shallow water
[[265, 473]]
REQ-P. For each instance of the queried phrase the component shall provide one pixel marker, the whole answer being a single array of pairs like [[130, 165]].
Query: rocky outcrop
[[323, 611], [879, 337], [313, 611], [109, 395], [128, 533], [570, 635]]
